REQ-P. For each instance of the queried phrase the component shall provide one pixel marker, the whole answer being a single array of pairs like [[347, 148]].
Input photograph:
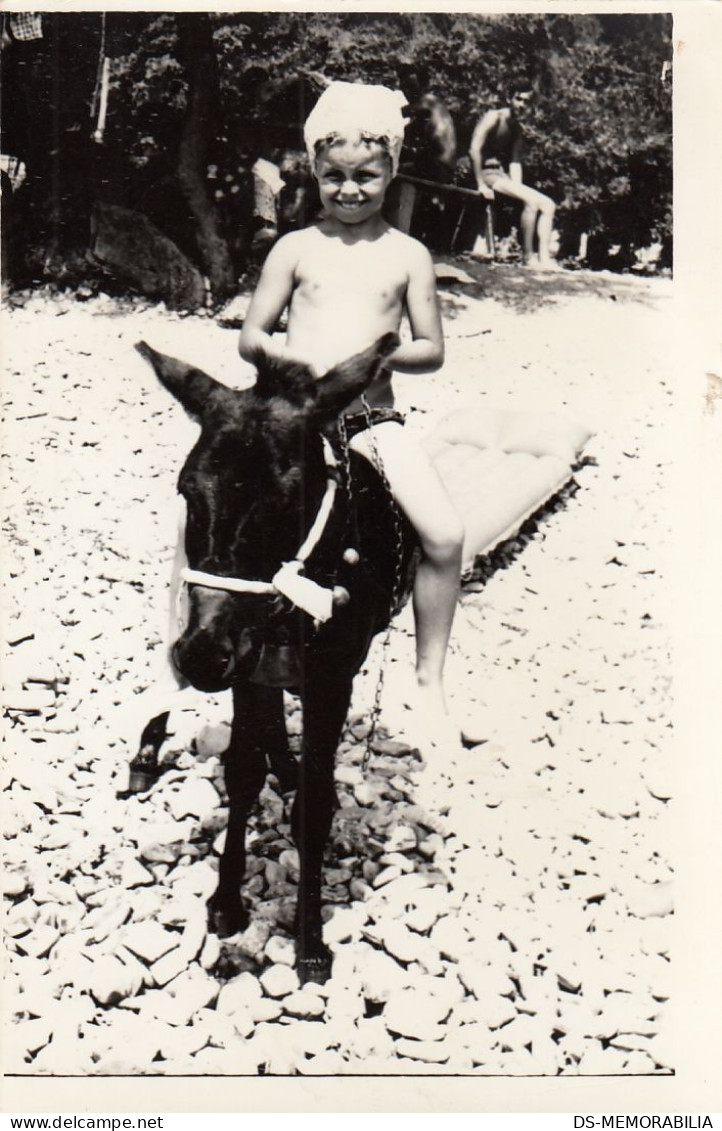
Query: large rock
[[138, 251]]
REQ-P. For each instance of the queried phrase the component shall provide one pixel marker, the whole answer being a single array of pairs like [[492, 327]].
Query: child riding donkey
[[345, 281]]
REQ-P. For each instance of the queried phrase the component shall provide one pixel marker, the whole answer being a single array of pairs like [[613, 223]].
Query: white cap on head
[[349, 108]]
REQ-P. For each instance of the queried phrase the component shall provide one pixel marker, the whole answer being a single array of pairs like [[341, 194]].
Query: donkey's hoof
[[225, 920], [315, 964], [141, 778]]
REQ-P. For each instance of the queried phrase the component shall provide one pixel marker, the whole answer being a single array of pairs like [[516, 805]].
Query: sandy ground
[[514, 920]]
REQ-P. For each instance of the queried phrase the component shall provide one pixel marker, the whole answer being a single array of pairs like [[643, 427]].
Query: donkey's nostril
[[208, 665]]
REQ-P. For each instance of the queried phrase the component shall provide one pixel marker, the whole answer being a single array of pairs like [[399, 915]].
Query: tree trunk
[[197, 53]]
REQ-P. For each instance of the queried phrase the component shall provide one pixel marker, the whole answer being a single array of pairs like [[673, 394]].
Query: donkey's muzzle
[[209, 662]]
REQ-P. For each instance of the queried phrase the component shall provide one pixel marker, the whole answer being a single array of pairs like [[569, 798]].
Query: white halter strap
[[317, 600]]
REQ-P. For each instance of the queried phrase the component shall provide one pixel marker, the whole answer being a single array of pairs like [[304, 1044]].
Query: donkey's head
[[252, 484]]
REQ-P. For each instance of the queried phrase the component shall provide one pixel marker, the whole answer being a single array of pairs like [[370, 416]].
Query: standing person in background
[[496, 159], [429, 151]]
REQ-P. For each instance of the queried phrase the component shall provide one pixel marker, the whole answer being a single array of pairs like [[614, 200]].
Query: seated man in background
[[496, 159]]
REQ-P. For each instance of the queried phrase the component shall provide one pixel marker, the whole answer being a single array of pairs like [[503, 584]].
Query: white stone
[[303, 1037], [69, 1057], [327, 1063], [221, 1027], [14, 883], [446, 987], [365, 794], [344, 924], [264, 1009], [253, 940], [134, 875], [400, 942], [303, 1003], [182, 1042], [413, 1014], [484, 981], [645, 900], [348, 775], [401, 839], [382, 976], [386, 875], [21, 918], [110, 980], [281, 950], [430, 904], [290, 861], [168, 967], [195, 798], [103, 921], [212, 741], [39, 942], [239, 993], [148, 940], [210, 952], [451, 938], [237, 1058], [29, 1036], [430, 1052], [194, 989], [279, 980]]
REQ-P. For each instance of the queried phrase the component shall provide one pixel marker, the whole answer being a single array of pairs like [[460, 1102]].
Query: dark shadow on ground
[[525, 290]]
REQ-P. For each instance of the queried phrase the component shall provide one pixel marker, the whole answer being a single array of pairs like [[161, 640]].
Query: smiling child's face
[[352, 179]]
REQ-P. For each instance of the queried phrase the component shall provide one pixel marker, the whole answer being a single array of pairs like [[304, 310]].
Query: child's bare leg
[[417, 488]]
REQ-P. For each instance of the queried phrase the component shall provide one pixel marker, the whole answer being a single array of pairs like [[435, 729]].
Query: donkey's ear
[[276, 377], [350, 378], [196, 391]]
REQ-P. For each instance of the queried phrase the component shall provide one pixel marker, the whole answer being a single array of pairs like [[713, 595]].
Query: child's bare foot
[[435, 728]]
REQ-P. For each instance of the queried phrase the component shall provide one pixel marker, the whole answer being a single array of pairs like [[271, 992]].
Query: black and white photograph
[[360, 479]]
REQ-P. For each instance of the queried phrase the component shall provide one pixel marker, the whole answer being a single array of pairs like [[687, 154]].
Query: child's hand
[[486, 192]]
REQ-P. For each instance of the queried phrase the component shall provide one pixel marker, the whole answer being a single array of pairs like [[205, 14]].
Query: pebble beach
[[510, 915]]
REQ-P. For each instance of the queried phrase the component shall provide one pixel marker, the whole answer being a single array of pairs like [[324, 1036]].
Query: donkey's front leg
[[325, 704], [258, 732]]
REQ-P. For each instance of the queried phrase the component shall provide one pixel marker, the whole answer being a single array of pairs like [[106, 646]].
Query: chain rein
[[398, 559]]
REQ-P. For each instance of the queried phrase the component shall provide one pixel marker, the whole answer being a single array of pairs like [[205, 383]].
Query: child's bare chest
[[350, 274]]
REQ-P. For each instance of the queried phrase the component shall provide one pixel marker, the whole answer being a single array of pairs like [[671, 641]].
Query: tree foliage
[[599, 140]]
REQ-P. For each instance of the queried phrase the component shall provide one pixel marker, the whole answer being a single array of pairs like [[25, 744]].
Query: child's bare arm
[[270, 299], [425, 353]]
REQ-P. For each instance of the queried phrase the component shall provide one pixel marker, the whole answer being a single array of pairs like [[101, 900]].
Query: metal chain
[[397, 586]]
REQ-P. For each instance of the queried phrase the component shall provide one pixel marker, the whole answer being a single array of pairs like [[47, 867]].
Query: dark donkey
[[261, 490]]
